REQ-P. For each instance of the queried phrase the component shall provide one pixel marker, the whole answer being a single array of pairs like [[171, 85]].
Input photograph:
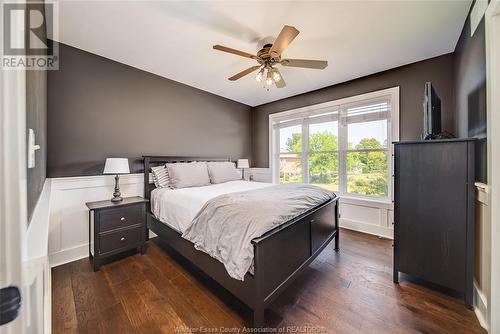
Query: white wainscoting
[[368, 216], [69, 232], [359, 214], [480, 302], [36, 274], [482, 272], [261, 174]]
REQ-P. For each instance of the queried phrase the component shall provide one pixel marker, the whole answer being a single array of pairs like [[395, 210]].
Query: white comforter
[[177, 208]]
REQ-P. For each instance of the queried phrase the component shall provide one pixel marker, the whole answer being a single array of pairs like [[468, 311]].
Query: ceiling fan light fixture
[[276, 76], [259, 75], [269, 54], [269, 79]]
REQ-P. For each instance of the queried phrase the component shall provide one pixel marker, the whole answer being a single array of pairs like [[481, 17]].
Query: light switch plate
[[32, 147]]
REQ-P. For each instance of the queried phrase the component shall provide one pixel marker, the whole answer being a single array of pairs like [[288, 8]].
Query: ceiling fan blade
[[243, 73], [286, 36], [234, 51], [281, 83], [305, 63]]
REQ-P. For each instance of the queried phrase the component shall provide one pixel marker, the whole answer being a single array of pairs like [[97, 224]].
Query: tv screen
[[432, 113]]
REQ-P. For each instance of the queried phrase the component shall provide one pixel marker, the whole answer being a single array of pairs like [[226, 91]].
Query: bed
[[279, 255]]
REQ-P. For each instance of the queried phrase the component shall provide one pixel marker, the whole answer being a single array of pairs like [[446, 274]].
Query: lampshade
[[116, 166], [243, 163]]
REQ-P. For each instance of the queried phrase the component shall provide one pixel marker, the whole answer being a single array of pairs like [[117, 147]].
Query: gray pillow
[[184, 175], [160, 176], [220, 172]]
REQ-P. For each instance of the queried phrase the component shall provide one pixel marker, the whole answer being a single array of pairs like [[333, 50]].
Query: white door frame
[[492, 22], [13, 211]]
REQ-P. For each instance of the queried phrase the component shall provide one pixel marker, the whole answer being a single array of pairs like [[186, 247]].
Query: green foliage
[[368, 143], [367, 184], [294, 144], [323, 141], [323, 168]]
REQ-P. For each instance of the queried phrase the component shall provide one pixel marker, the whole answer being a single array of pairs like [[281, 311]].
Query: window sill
[[365, 201]]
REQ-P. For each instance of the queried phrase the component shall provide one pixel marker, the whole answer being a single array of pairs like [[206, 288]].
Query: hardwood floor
[[346, 292]]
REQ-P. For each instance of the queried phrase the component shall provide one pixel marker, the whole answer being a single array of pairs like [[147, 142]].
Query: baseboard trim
[[380, 231], [68, 255], [73, 254], [481, 307]]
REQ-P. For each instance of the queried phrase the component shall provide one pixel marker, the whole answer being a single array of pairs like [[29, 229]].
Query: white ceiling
[[174, 39]]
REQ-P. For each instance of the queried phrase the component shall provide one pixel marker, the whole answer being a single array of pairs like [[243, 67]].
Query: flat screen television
[[432, 113]]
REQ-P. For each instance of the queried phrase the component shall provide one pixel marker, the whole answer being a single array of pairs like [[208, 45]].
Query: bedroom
[[348, 221]]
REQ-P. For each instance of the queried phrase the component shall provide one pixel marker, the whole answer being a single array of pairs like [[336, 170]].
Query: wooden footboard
[[281, 254]]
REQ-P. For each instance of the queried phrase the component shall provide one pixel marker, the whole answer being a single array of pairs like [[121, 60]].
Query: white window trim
[[392, 93]]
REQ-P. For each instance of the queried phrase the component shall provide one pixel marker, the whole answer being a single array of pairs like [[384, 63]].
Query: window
[[344, 146], [290, 154], [323, 155]]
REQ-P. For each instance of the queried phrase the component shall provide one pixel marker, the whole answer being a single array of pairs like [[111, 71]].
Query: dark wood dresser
[[116, 227], [434, 213]]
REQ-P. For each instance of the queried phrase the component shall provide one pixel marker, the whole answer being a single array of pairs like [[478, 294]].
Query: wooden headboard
[[157, 160]]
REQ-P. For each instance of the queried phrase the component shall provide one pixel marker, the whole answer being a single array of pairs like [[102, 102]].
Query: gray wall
[[36, 119], [99, 108], [410, 78], [470, 91]]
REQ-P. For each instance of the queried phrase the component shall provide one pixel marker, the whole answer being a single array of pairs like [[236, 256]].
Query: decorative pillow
[[220, 172], [184, 175], [160, 176]]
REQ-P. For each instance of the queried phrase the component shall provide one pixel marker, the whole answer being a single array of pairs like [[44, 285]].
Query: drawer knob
[[122, 218], [122, 239]]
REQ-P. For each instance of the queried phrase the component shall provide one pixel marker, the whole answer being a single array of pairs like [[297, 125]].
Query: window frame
[[337, 109]]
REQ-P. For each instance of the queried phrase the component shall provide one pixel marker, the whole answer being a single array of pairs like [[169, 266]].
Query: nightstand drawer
[[113, 241], [121, 217]]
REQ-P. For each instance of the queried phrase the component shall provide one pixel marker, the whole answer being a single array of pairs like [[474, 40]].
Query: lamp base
[[117, 196], [117, 199]]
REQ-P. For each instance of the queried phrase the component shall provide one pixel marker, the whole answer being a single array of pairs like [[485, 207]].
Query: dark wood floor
[[346, 292]]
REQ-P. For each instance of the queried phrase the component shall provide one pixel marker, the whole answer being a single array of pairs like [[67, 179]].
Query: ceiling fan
[[270, 55]]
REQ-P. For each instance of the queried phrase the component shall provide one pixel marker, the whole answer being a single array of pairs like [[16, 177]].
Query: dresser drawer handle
[[122, 239], [122, 218]]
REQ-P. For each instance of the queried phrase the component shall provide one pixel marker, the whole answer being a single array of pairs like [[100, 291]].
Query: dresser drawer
[[121, 217], [120, 239]]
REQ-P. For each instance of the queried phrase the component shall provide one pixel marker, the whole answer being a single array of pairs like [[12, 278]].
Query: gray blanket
[[226, 225]]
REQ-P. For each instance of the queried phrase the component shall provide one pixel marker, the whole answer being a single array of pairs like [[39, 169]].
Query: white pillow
[[160, 176], [184, 175], [220, 172]]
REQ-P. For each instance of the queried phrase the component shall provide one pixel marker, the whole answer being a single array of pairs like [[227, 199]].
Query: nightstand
[[116, 227]]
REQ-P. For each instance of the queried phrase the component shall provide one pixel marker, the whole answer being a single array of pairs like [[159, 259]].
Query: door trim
[[13, 203], [13, 207], [492, 24]]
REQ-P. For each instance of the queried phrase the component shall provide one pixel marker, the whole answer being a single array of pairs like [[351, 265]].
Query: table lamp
[[116, 166], [242, 164]]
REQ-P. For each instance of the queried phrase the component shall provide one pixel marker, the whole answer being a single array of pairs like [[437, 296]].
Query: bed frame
[[279, 255]]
